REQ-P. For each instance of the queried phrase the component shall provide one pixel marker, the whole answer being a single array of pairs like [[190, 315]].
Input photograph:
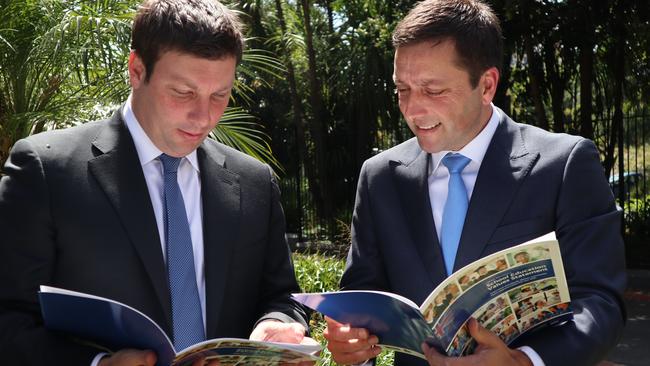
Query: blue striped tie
[[187, 316], [453, 216]]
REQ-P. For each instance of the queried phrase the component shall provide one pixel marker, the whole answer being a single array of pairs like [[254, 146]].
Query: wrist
[[521, 358]]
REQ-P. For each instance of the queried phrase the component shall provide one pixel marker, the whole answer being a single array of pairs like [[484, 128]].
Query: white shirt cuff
[[534, 357], [98, 358]]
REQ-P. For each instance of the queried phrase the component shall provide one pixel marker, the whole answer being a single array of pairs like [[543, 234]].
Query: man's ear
[[137, 71], [488, 84]]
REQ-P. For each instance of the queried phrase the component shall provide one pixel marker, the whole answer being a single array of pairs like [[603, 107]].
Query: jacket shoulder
[[403, 153]]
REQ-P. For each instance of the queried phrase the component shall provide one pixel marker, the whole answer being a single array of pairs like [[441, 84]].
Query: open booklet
[[116, 325], [509, 292]]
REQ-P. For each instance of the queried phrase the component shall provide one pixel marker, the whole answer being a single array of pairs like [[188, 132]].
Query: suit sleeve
[[364, 267], [279, 276], [588, 229], [28, 251]]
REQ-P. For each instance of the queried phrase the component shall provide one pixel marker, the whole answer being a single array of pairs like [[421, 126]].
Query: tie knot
[[170, 163], [455, 162]]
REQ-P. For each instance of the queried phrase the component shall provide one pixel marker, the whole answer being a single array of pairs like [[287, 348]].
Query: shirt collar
[[475, 149], [146, 149]]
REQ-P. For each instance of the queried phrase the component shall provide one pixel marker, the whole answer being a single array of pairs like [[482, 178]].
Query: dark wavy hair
[[470, 24], [204, 28]]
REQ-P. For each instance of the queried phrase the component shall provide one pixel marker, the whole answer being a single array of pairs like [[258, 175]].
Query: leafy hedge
[[637, 232]]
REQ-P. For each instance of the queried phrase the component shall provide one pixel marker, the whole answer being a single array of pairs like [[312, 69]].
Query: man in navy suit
[[521, 182], [84, 208]]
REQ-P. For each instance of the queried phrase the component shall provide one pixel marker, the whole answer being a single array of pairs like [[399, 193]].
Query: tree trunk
[[293, 89], [330, 15], [502, 99], [298, 113], [536, 76], [619, 80], [557, 85], [586, 72], [318, 112]]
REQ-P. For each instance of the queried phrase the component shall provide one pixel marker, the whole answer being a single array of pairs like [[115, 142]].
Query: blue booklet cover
[[510, 292], [395, 320], [116, 326]]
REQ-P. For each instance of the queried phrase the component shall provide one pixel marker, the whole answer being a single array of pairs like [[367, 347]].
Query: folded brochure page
[[116, 325], [509, 292]]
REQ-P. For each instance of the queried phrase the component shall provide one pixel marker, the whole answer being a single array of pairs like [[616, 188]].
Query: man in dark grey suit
[[85, 208], [521, 182]]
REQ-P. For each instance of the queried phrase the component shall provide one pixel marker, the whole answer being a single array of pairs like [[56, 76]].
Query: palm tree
[[65, 61]]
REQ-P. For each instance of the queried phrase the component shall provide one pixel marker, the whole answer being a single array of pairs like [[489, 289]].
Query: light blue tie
[[187, 316], [453, 216]]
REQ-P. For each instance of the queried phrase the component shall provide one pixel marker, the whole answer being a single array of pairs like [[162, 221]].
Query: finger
[[433, 356], [298, 331], [286, 336], [340, 332], [150, 358], [331, 321], [484, 337], [348, 358], [199, 362], [275, 331], [213, 363], [130, 357], [309, 341], [352, 345]]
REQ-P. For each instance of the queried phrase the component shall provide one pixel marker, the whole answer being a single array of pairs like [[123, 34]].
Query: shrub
[[637, 232]]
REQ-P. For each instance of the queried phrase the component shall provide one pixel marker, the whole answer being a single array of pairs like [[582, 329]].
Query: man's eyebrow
[[179, 78], [425, 82]]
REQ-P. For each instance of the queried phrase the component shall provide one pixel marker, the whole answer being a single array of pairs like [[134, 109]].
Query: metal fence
[[631, 187], [305, 226]]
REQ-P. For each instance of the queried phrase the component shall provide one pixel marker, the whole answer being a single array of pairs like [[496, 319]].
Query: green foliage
[[66, 61], [319, 273], [637, 232], [238, 129]]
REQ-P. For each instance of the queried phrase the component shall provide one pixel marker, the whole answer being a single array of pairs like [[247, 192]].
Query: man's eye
[[182, 93], [400, 90], [433, 92]]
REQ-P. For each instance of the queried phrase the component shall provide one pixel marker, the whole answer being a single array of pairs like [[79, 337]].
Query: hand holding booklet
[[117, 325], [510, 292]]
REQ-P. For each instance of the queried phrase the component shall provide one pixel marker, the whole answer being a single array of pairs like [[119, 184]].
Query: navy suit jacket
[[75, 213], [531, 182]]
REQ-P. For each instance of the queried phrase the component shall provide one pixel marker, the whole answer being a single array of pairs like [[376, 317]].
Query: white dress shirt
[[439, 178], [439, 174], [190, 185]]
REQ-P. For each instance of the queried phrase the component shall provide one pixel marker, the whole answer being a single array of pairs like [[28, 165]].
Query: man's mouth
[[191, 135], [429, 126]]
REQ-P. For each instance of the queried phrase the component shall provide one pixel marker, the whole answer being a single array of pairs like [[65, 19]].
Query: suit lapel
[[411, 179], [505, 166], [119, 173], [220, 191]]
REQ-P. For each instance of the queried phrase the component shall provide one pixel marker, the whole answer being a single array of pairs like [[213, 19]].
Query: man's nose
[[414, 105], [201, 113]]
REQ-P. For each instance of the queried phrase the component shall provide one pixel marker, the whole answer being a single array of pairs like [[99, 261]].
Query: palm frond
[[239, 130]]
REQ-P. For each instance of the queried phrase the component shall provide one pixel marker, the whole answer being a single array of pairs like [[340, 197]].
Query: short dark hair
[[470, 24], [204, 28]]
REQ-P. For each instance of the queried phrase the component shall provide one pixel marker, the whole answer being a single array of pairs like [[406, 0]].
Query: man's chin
[[429, 146]]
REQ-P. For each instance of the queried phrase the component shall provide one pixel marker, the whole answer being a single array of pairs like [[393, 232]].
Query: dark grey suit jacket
[[530, 182], [75, 213]]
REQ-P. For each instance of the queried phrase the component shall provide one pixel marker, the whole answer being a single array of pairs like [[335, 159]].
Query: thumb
[[150, 358], [483, 337]]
